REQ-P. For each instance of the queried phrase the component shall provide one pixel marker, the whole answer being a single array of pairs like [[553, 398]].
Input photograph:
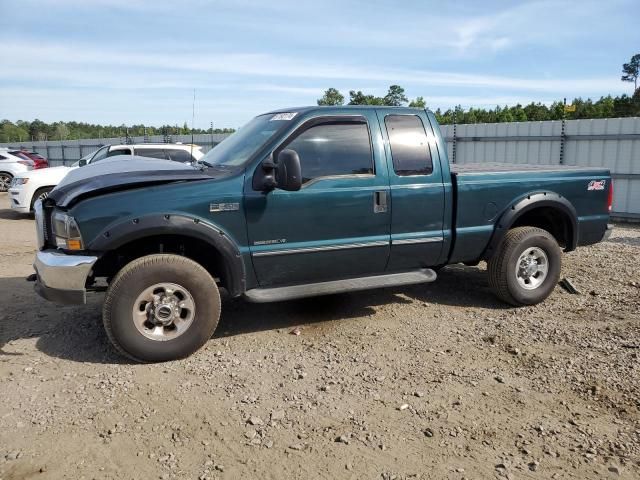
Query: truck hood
[[121, 173], [50, 174]]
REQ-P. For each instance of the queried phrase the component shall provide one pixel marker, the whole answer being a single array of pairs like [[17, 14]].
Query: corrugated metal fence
[[612, 143]]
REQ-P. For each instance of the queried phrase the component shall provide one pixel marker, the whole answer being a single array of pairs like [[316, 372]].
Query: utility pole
[[562, 131], [193, 118]]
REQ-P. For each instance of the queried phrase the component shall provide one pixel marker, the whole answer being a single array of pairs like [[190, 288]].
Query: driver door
[[337, 225]]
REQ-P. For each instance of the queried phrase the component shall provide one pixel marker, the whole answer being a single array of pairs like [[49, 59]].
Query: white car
[[11, 167], [26, 188]]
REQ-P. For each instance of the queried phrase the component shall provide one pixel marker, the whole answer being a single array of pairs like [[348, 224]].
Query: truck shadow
[[458, 286], [8, 214], [75, 333]]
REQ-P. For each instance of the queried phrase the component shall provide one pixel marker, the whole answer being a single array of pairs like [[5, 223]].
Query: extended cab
[[303, 202]]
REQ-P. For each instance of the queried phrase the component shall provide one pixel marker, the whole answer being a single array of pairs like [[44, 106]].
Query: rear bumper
[[607, 232], [61, 278]]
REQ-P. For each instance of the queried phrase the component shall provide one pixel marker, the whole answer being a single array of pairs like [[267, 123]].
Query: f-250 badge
[[596, 185]]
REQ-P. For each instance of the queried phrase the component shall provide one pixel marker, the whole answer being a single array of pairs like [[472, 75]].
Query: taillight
[[610, 196]]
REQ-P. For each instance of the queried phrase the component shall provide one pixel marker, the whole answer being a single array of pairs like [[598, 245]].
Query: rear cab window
[[409, 145]]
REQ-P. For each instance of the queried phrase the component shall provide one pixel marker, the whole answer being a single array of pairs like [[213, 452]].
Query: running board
[[264, 295]]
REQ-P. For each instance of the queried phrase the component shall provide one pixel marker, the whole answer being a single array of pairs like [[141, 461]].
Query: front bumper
[[607, 232], [17, 198], [61, 278]]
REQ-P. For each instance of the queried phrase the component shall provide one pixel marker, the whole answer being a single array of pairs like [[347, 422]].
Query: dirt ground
[[432, 381]]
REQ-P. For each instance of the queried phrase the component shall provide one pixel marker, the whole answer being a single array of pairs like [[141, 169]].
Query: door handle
[[380, 202]]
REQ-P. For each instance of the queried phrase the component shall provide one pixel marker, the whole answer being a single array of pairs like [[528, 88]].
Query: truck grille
[[47, 223]]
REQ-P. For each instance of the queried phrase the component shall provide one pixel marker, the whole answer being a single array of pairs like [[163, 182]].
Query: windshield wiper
[[211, 165]]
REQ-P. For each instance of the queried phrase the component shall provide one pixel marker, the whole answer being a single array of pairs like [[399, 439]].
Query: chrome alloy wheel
[[532, 268], [5, 182], [164, 311]]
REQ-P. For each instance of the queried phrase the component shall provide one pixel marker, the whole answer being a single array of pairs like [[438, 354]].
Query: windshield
[[85, 158], [236, 149]]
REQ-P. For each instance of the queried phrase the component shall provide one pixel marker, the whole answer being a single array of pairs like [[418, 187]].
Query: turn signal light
[[73, 244]]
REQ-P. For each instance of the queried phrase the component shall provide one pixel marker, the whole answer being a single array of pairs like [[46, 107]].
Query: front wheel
[[160, 308], [5, 181], [526, 267], [40, 194]]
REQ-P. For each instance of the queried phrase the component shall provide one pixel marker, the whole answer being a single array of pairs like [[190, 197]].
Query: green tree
[[395, 97], [331, 97], [10, 132], [62, 131], [359, 98], [631, 70], [419, 102], [38, 130]]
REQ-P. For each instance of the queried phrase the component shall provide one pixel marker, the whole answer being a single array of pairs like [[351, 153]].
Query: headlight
[[17, 181], [66, 232]]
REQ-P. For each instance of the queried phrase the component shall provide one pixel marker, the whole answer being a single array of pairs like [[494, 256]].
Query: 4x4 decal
[[596, 185]]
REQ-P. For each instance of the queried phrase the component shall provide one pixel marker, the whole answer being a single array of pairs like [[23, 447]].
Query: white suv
[[26, 188], [12, 166]]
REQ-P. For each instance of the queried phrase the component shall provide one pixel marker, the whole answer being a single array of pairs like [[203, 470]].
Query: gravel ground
[[431, 381]]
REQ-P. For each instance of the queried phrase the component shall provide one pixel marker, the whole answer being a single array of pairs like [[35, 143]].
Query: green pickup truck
[[302, 202]]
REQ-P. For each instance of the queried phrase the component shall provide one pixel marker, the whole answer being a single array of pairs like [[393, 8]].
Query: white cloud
[[106, 68]]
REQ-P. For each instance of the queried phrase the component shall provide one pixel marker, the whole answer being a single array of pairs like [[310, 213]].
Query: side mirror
[[82, 163], [283, 173], [288, 171]]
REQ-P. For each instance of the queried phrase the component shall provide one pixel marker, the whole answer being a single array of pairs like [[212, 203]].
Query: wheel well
[[38, 192], [551, 219], [195, 249]]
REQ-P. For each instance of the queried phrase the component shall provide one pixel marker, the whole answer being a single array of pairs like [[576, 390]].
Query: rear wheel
[[526, 267], [5, 181], [40, 194], [160, 308]]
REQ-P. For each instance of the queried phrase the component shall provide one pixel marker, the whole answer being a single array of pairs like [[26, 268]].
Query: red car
[[38, 160]]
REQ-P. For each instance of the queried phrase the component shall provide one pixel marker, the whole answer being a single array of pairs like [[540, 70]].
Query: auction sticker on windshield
[[283, 116]]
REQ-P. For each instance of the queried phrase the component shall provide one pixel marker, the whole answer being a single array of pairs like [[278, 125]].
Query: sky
[[139, 61]]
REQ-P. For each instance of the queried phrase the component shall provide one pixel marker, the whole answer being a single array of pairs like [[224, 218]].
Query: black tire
[[5, 181], [140, 274], [38, 193], [503, 278]]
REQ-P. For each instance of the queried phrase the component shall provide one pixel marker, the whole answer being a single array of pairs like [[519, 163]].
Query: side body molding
[[526, 204], [138, 228]]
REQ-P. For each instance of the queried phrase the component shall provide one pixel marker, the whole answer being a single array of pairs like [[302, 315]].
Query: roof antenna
[[193, 117]]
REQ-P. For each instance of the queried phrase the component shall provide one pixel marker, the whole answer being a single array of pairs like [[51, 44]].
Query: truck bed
[[484, 190]]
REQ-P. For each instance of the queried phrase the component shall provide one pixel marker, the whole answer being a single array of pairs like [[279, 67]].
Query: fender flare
[[115, 236], [529, 202]]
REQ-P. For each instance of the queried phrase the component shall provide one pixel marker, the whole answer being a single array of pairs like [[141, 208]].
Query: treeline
[[37, 130], [605, 107]]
